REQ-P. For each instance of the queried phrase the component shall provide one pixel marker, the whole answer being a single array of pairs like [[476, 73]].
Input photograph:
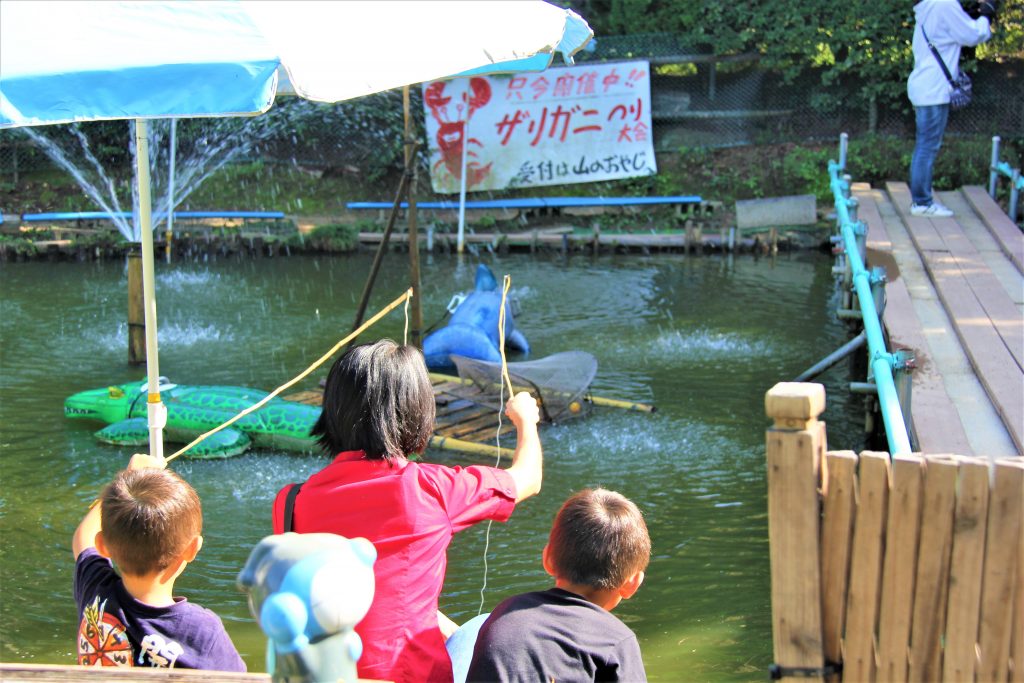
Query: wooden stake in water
[[136, 311]]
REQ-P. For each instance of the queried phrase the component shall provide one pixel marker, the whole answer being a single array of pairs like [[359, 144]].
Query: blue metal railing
[[882, 362], [1001, 168]]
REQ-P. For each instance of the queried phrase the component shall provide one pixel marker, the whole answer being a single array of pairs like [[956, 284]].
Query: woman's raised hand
[[522, 409]]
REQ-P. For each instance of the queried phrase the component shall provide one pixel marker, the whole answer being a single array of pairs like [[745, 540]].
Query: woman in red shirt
[[378, 409]]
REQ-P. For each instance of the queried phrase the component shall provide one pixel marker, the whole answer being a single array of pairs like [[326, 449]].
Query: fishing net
[[559, 382]]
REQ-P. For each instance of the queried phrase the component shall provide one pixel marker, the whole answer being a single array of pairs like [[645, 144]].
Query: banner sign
[[576, 124]]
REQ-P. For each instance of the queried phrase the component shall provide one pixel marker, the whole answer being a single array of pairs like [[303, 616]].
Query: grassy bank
[[720, 175]]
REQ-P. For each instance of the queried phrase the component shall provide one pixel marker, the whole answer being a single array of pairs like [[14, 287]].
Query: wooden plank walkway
[[935, 416], [955, 296]]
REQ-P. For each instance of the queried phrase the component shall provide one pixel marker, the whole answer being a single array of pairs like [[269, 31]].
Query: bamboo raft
[[463, 423]]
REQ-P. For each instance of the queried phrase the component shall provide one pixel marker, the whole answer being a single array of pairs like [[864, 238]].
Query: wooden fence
[[890, 569]]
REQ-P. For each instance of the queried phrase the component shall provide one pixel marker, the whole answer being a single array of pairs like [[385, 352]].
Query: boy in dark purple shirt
[[597, 553], [148, 521]]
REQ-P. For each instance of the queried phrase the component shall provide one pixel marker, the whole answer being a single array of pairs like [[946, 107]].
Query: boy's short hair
[[148, 518], [599, 539], [378, 399]]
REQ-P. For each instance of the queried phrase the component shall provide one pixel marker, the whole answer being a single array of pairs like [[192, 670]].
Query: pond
[[703, 338]]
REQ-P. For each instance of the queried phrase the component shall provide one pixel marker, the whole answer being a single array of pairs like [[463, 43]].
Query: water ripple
[[180, 279]]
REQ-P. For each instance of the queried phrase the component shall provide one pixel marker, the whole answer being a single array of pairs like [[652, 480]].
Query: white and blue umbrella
[[64, 62]]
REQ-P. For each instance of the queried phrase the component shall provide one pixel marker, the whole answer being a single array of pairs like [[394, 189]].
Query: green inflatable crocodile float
[[192, 410]]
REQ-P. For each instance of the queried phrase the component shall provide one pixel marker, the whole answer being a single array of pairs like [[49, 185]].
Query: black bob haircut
[[378, 399]]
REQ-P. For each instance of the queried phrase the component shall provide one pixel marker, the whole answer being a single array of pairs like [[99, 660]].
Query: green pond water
[[701, 337]]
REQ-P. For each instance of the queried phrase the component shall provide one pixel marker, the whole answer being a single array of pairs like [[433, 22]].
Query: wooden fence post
[[794, 444], [899, 568], [965, 572], [836, 540], [866, 559], [931, 583], [1002, 551]]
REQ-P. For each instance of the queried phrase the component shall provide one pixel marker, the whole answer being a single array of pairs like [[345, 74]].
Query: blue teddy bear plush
[[307, 592]]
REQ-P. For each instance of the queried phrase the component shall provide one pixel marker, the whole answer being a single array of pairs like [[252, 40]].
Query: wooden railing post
[[1002, 609], [795, 445]]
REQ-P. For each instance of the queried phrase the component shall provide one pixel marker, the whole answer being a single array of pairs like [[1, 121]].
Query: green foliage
[[485, 223], [336, 237], [1008, 34], [877, 158], [20, 246], [848, 44], [297, 242], [805, 171], [676, 70], [961, 161], [373, 128]]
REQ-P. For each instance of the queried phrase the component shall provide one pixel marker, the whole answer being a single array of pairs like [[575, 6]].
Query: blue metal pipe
[[993, 173], [882, 362], [1004, 168], [99, 215]]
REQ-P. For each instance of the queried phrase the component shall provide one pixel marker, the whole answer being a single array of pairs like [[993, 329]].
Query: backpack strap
[[289, 507]]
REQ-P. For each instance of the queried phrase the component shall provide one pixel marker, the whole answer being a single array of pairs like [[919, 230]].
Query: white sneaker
[[933, 210]]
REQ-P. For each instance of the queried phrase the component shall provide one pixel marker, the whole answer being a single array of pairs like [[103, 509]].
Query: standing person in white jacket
[[949, 27]]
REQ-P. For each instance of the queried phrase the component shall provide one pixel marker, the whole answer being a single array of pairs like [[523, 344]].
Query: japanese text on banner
[[563, 125]]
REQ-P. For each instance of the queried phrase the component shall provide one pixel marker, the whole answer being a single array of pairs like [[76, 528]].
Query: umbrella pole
[[156, 411]]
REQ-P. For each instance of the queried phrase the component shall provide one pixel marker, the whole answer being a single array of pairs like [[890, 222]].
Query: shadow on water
[[701, 338]]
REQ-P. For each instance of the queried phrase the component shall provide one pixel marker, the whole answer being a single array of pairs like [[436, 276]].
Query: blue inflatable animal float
[[473, 328]]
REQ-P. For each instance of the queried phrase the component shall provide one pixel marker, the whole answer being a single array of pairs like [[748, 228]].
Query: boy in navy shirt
[[597, 553], [149, 522]]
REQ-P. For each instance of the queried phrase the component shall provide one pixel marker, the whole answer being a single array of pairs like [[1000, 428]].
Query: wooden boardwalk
[[955, 297]]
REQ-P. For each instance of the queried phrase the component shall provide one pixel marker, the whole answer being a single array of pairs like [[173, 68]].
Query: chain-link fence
[[698, 100]]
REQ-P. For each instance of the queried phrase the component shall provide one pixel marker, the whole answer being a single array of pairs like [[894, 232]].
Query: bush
[[336, 237], [17, 246], [961, 161]]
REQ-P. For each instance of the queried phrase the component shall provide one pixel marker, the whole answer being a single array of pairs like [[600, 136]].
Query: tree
[[859, 49]]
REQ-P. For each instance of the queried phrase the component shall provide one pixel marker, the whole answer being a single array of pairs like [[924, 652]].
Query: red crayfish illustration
[[451, 135]]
